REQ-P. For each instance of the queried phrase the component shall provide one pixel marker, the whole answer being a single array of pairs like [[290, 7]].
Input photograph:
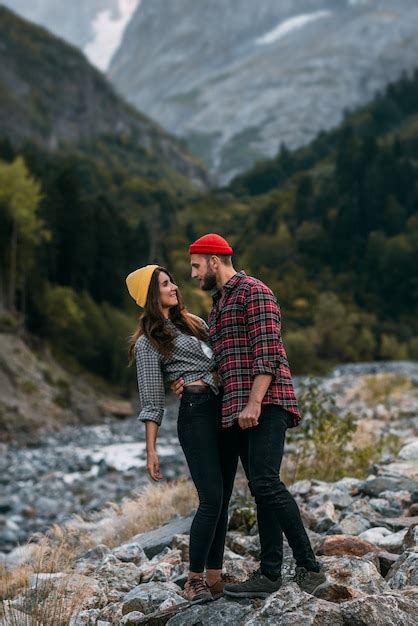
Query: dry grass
[[153, 507], [60, 548], [46, 604], [380, 388]]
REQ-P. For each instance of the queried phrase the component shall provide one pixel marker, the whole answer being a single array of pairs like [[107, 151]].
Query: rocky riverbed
[[364, 532], [80, 469]]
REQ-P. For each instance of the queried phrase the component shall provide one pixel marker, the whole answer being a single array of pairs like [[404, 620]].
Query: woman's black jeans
[[212, 468], [261, 450]]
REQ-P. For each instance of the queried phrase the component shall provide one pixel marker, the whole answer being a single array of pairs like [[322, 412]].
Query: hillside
[[40, 393], [51, 95], [237, 79]]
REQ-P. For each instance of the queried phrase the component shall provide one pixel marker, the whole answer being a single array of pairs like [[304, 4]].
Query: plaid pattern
[[191, 360], [244, 326]]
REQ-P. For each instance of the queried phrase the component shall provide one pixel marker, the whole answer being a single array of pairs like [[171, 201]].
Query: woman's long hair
[[152, 323]]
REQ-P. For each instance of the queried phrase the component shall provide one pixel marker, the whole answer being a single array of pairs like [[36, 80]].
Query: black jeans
[[212, 468], [261, 451]]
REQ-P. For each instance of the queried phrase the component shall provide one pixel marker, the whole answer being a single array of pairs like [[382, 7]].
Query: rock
[[325, 516], [153, 541], [382, 537], [401, 498], [241, 569], [223, 612], [337, 545], [411, 538], [112, 612], [130, 553], [405, 571], [409, 452], [147, 597], [383, 506], [181, 542], [95, 554], [351, 524], [349, 577], [376, 485], [290, 606], [243, 544], [340, 496], [413, 510], [398, 523], [84, 618], [134, 617], [390, 608], [118, 575], [301, 488], [414, 496]]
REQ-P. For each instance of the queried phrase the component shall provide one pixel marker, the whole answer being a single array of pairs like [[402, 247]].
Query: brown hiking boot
[[196, 590], [217, 589]]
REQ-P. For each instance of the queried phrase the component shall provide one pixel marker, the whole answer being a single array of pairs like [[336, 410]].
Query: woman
[[170, 343]]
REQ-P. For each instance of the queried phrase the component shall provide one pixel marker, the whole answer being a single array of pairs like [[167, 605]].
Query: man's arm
[[263, 327], [250, 415]]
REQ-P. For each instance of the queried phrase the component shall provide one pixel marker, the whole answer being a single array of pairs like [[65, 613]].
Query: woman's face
[[168, 291]]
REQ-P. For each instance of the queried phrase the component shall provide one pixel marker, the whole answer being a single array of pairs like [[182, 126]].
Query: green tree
[[20, 195]]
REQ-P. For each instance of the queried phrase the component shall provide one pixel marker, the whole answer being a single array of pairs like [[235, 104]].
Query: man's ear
[[214, 263]]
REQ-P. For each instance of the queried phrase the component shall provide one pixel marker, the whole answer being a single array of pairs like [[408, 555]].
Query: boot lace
[[300, 575], [197, 585]]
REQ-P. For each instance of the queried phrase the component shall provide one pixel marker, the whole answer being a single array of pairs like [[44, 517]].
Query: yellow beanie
[[138, 283]]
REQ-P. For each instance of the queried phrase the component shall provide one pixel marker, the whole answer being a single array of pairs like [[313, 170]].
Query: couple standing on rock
[[237, 400]]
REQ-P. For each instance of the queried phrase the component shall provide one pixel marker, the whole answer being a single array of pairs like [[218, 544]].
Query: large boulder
[[222, 613], [405, 571], [148, 597], [390, 608], [337, 545], [290, 606], [350, 577]]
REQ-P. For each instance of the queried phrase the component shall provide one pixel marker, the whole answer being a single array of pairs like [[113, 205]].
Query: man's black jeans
[[212, 467], [261, 451]]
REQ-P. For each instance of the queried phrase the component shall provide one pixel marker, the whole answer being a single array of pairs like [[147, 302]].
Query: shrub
[[323, 447]]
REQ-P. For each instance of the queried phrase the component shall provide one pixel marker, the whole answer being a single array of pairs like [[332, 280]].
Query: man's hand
[[177, 387], [153, 465], [249, 416]]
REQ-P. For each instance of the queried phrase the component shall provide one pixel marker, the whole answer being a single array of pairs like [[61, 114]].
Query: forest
[[332, 227]]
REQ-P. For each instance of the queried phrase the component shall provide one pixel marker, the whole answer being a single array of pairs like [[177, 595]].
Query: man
[[258, 406]]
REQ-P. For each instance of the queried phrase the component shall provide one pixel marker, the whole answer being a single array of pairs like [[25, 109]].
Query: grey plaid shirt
[[190, 360]]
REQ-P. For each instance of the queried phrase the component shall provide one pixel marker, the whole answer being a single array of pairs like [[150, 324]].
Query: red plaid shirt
[[244, 326]]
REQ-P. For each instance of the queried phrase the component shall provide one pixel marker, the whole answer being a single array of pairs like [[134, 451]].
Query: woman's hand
[[177, 387], [153, 465]]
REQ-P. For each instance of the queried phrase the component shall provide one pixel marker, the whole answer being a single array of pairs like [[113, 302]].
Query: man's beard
[[209, 281]]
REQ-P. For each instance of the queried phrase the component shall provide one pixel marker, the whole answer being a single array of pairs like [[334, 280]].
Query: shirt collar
[[229, 285]]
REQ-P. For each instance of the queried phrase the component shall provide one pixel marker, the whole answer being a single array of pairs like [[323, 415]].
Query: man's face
[[202, 272]]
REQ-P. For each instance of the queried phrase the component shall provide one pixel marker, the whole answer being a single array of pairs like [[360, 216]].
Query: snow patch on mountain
[[108, 31], [289, 25]]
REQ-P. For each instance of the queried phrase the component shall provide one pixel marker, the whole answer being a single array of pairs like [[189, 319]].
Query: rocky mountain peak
[[237, 79]]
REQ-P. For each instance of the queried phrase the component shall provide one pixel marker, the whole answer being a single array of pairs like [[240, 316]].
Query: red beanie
[[210, 244]]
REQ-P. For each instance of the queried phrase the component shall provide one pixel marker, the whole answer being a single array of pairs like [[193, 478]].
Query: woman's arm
[[153, 463]]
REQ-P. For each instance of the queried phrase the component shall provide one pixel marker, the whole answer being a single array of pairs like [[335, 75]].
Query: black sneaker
[[256, 586], [308, 581]]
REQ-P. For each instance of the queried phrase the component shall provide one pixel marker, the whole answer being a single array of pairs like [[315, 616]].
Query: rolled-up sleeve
[[263, 320], [150, 382]]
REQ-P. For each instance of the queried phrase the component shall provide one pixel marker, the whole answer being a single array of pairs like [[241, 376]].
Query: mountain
[[237, 79], [51, 95], [95, 26]]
